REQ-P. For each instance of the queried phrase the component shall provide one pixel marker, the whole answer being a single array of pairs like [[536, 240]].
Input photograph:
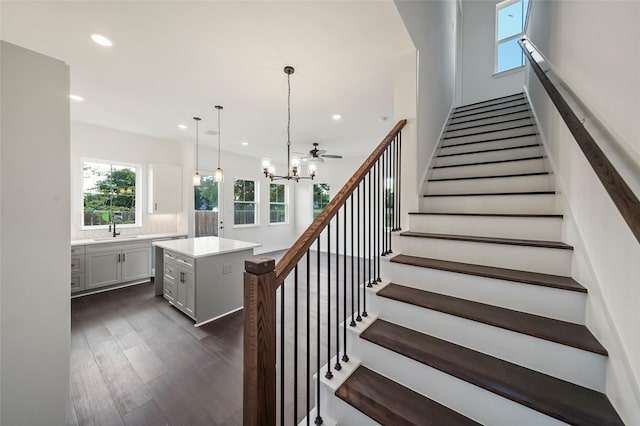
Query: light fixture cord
[[197, 149], [219, 137], [288, 124]]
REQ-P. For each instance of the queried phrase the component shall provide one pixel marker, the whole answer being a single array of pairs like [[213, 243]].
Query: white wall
[[271, 237], [34, 229], [478, 55], [433, 27], [95, 142], [600, 66]]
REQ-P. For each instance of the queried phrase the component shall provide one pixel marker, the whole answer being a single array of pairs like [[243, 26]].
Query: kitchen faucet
[[113, 221]]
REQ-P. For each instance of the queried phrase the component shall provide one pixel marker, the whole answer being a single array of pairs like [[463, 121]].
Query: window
[[109, 194], [206, 207], [277, 203], [245, 204], [320, 198], [511, 16]]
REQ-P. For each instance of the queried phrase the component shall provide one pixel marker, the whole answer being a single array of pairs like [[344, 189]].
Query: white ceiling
[[173, 60]]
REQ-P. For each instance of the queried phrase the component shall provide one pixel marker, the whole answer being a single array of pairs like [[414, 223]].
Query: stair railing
[[348, 238], [621, 194]]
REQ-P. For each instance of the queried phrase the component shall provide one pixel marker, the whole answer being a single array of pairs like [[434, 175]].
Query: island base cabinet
[[179, 282]]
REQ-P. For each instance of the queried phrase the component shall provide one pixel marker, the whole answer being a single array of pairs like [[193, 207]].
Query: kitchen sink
[[118, 238]]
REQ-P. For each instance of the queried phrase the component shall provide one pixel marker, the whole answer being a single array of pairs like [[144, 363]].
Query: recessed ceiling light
[[336, 116], [245, 143], [76, 98], [182, 126], [101, 40]]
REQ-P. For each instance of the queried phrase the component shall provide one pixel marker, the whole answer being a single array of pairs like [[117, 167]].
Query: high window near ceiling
[[321, 198], [511, 17], [277, 203], [109, 194], [245, 202]]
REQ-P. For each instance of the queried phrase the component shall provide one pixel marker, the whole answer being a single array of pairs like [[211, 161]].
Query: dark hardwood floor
[[136, 360]]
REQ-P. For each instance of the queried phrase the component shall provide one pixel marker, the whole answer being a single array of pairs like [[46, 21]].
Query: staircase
[[477, 320]]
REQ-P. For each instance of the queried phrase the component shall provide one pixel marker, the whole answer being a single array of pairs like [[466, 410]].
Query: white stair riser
[[532, 228], [526, 204], [491, 108], [520, 131], [473, 127], [488, 185], [505, 143], [549, 302], [469, 115], [525, 258], [494, 102], [508, 154], [564, 362], [493, 169], [461, 123], [469, 400], [340, 411]]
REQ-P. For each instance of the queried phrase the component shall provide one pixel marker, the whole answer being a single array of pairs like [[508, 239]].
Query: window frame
[[137, 199], [313, 192], [256, 203], [285, 203], [497, 42]]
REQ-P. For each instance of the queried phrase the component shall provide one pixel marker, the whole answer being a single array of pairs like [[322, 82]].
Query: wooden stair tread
[[526, 109], [390, 403], [485, 132], [481, 163], [514, 95], [562, 400], [489, 177], [508, 148], [562, 332], [460, 114], [524, 215], [525, 277], [469, 194], [489, 140], [510, 120], [492, 240]]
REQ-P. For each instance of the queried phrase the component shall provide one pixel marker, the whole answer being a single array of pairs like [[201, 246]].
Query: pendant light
[[218, 177], [293, 165], [196, 175]]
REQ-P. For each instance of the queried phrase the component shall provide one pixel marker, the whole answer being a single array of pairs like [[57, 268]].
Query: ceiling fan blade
[[318, 152], [315, 160], [331, 156]]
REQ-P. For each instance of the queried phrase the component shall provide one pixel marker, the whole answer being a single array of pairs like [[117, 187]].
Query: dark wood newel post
[[259, 400]]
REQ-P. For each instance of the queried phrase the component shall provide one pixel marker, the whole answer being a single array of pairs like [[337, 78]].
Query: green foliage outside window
[[244, 202], [321, 198], [206, 195], [109, 192], [277, 203]]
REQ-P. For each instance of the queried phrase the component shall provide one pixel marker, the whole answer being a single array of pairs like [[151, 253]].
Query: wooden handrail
[[621, 194], [306, 240]]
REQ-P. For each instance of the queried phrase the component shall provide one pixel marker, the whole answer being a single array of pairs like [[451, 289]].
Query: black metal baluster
[[318, 420], [393, 177], [295, 346], [399, 180], [353, 296], [358, 318], [338, 367], [390, 181], [378, 230], [364, 247], [328, 374], [308, 337], [345, 357], [370, 230]]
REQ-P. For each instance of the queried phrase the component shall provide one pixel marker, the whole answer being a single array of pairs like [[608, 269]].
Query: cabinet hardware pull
[[123, 257], [118, 258], [156, 206]]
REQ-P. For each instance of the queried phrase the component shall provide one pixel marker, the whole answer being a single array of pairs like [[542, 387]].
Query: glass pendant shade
[[196, 179], [219, 177]]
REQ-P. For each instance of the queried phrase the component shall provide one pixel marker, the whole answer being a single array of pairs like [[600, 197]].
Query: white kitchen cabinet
[[165, 188], [115, 263], [77, 268], [180, 283]]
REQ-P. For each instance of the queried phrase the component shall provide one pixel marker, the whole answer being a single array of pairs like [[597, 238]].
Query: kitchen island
[[202, 277]]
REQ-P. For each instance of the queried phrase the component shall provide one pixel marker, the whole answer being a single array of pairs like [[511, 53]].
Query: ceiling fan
[[318, 155]]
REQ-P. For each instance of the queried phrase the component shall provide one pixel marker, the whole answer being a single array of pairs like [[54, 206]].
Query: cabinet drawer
[[77, 264], [180, 260], [75, 250], [170, 270], [169, 291], [77, 283]]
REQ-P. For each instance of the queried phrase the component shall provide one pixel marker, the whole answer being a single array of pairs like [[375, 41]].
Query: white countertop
[[205, 246], [125, 238]]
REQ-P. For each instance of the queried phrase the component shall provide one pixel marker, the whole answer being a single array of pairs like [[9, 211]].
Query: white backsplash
[[151, 224]]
